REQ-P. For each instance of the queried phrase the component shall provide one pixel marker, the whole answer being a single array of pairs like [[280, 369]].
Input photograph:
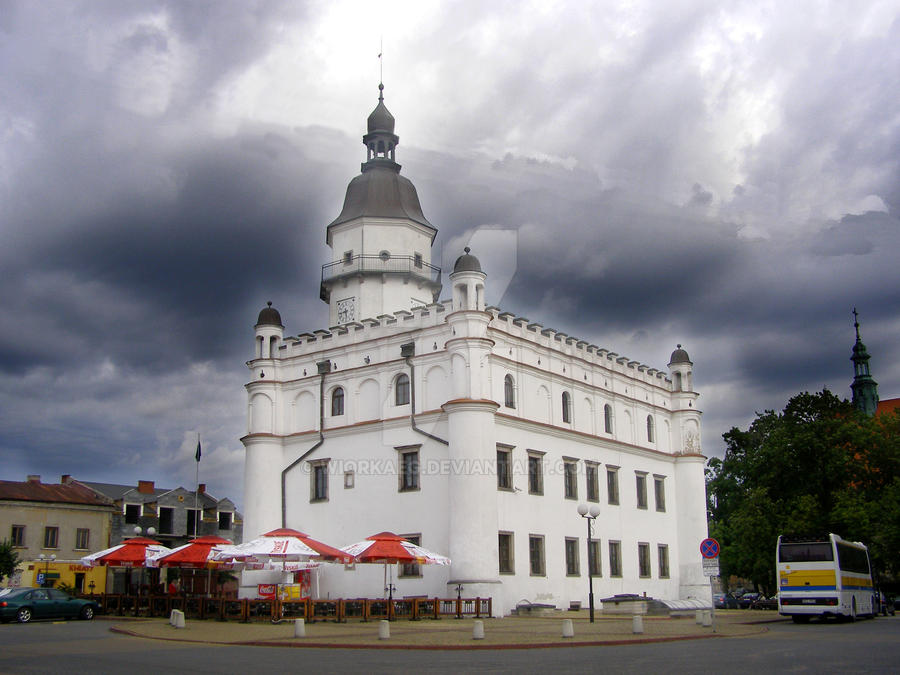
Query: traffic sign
[[709, 548], [710, 567], [40, 578]]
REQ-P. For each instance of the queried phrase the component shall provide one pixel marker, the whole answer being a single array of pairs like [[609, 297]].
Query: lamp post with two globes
[[590, 514]]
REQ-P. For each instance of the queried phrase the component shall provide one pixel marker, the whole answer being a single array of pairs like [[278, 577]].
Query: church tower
[[865, 389], [381, 242]]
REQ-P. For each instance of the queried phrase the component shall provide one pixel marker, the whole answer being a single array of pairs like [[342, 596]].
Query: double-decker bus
[[823, 577]]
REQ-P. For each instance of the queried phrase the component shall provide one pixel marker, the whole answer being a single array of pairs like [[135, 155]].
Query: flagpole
[[197, 487]]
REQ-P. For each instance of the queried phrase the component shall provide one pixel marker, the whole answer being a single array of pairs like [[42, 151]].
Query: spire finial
[[467, 249], [381, 69], [856, 322]]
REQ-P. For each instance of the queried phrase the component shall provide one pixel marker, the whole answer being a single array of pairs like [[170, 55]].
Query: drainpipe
[[407, 351], [324, 368]]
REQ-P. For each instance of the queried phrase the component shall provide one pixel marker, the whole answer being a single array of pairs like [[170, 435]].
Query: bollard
[[384, 629], [172, 617], [478, 630], [179, 619], [299, 628], [637, 624], [568, 629], [707, 618], [698, 617]]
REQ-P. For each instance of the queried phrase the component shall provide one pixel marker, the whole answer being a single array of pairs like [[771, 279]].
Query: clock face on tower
[[346, 310]]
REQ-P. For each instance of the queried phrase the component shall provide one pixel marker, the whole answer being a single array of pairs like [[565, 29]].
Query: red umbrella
[[193, 555], [387, 547], [132, 552]]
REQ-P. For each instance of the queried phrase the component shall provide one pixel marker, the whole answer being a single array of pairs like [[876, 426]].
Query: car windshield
[[16, 592]]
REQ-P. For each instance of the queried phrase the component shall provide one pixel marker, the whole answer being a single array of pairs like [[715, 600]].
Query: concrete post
[[478, 630]]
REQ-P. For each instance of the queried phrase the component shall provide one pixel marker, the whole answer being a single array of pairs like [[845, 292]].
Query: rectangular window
[[506, 553], [659, 492], [82, 538], [51, 537], [615, 558], [612, 485], [132, 513], [663, 554], [536, 554], [535, 473], [348, 257], [643, 560], [595, 562], [572, 567], [225, 520], [504, 468], [192, 525], [18, 535], [641, 488], [166, 520], [570, 475], [592, 482], [318, 486], [409, 470], [417, 260], [349, 480], [411, 569]]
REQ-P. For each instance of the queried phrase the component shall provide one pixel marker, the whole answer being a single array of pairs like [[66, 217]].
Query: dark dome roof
[[269, 316], [381, 119], [382, 192], [679, 356], [467, 263]]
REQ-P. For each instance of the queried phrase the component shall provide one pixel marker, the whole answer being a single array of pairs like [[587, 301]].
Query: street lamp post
[[590, 514]]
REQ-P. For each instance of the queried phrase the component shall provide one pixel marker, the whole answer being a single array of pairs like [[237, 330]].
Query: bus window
[[805, 552]]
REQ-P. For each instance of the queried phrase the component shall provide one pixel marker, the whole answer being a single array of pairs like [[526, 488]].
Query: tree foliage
[[9, 559], [818, 466]]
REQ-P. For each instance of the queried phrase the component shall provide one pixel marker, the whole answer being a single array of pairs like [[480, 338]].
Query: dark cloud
[[726, 180]]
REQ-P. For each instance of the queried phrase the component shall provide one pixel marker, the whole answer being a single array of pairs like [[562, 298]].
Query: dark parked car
[[725, 601], [765, 603], [25, 604], [747, 600]]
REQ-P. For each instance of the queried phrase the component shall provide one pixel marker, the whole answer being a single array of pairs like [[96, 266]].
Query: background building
[[66, 520], [470, 430]]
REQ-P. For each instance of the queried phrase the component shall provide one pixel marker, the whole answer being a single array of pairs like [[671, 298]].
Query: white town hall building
[[473, 431]]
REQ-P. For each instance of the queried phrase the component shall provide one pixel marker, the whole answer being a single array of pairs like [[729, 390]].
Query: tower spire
[[864, 388]]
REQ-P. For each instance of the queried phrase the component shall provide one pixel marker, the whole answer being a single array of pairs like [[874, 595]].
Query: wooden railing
[[339, 610]]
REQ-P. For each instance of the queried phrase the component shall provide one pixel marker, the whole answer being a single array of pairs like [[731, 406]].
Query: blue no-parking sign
[[709, 548]]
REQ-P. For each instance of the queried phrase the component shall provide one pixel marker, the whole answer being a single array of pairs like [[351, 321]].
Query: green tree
[[9, 559], [818, 466]]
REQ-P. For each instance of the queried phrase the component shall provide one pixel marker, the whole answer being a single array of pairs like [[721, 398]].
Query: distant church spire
[[865, 389]]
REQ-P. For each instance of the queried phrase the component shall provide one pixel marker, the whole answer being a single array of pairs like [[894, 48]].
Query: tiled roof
[[888, 405], [33, 491]]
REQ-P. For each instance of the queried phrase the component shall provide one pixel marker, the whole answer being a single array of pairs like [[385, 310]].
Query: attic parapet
[[348, 334], [562, 343]]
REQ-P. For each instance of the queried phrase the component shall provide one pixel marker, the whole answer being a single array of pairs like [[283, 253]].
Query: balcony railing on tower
[[378, 264]]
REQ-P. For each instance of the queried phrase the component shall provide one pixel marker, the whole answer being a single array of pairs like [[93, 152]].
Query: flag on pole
[[197, 454]]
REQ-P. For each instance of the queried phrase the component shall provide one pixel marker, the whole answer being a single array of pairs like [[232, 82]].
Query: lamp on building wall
[[46, 559], [590, 514]]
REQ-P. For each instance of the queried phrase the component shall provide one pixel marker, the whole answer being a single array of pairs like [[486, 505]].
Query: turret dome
[[269, 316], [679, 356], [467, 263]]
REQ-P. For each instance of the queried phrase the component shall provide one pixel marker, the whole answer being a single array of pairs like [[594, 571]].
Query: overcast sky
[[637, 174]]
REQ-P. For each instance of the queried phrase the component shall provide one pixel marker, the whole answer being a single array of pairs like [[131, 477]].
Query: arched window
[[337, 402], [567, 407], [607, 418], [401, 390], [677, 381], [649, 428], [509, 393]]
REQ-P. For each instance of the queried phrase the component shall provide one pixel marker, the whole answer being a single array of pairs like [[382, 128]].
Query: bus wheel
[[800, 618]]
